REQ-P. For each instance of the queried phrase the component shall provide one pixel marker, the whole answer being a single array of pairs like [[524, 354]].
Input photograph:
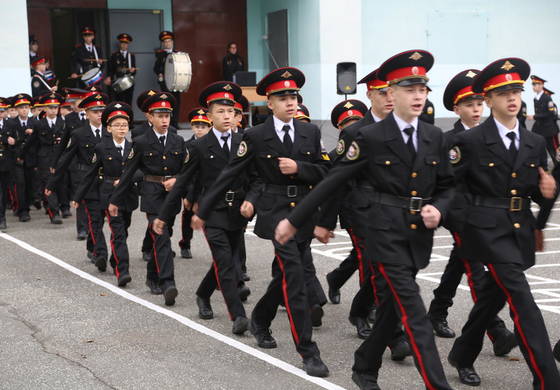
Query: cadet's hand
[[48, 192], [530, 117], [28, 131], [169, 183], [107, 81], [196, 222], [284, 231], [113, 210], [54, 88], [547, 184], [186, 204], [539, 240], [116, 183], [247, 209], [52, 170], [287, 166], [74, 76], [431, 216], [195, 208], [74, 204], [11, 141], [157, 226], [322, 234]]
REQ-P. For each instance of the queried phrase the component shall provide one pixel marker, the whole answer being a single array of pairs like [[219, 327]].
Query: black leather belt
[[515, 203], [291, 191], [413, 203], [157, 179]]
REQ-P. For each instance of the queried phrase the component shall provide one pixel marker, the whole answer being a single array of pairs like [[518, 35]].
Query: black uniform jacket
[[141, 128], [26, 144], [206, 160], [545, 116], [72, 121], [49, 138], [262, 147], [39, 86], [84, 60], [107, 167], [118, 65], [497, 235], [7, 151], [152, 158], [428, 114], [380, 156]]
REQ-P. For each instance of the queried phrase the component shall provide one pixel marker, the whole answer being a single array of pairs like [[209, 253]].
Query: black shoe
[[245, 277], [400, 350], [263, 336], [240, 325], [243, 292], [24, 217], [124, 279], [146, 256], [56, 220], [186, 253], [467, 375], [317, 316], [365, 381], [154, 287], [3, 226], [362, 326], [504, 342], [101, 263], [442, 329], [205, 311], [82, 236], [334, 293], [314, 366], [66, 214], [556, 351], [37, 204], [169, 294]]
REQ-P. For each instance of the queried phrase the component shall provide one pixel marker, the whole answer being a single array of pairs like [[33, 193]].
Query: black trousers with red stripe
[[186, 230], [288, 286], [25, 187], [507, 283], [224, 246], [552, 145], [50, 203], [95, 218], [119, 249], [399, 298], [450, 280], [161, 267]]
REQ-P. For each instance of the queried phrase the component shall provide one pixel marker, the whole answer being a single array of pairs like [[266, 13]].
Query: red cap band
[[50, 102], [464, 93], [95, 103], [408, 72], [118, 113], [238, 106], [349, 114], [160, 104], [201, 118], [376, 84], [501, 80], [42, 60], [286, 85], [220, 96], [21, 101]]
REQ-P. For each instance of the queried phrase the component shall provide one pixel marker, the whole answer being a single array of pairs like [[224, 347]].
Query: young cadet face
[[537, 86], [41, 68], [409, 100], [94, 117], [381, 102], [88, 38], [3, 114], [167, 44], [65, 111], [470, 111], [123, 46], [12, 112], [23, 111], [238, 117], [160, 121], [118, 129], [51, 111], [200, 129], [504, 104], [284, 107], [222, 116], [347, 123]]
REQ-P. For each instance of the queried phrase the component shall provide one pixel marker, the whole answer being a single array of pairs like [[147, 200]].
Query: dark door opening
[[277, 33]]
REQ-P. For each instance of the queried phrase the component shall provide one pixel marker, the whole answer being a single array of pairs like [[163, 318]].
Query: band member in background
[[232, 62], [7, 161], [241, 107], [122, 63], [545, 117], [39, 84], [167, 39], [86, 56], [428, 113]]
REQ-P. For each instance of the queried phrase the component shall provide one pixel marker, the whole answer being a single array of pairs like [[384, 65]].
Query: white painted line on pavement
[[171, 314]]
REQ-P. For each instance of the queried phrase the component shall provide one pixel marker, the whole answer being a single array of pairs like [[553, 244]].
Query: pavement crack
[[35, 335]]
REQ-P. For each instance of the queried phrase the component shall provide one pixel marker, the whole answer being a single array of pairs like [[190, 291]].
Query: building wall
[[164, 5]]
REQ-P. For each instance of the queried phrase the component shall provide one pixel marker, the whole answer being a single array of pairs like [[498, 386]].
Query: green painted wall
[[164, 5]]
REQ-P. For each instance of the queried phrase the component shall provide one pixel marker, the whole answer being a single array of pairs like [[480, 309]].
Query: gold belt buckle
[[515, 203]]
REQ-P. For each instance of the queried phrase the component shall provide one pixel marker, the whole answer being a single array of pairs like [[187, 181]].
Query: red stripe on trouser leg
[[112, 241], [404, 320], [356, 244], [517, 323], [154, 247], [373, 286], [15, 203], [217, 276], [468, 273], [286, 303], [555, 141], [90, 227]]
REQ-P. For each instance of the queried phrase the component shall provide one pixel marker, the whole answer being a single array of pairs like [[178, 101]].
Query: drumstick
[[96, 60]]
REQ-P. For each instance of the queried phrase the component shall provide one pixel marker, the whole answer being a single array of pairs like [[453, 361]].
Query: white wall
[[14, 49]]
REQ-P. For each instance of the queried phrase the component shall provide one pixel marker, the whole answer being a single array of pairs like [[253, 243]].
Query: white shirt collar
[[538, 95], [278, 125], [21, 121], [219, 134], [504, 131], [375, 117], [403, 125], [93, 128], [121, 145], [465, 126], [159, 135]]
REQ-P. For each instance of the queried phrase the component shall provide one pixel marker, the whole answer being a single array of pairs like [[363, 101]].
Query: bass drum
[[178, 72], [123, 83]]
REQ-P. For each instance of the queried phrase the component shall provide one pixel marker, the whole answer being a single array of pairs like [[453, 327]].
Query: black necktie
[[225, 147], [97, 134], [512, 149], [24, 124], [162, 140], [288, 144], [120, 149], [410, 143]]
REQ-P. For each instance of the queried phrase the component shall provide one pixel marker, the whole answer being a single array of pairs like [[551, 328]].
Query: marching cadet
[[86, 55], [25, 174], [167, 39], [7, 163], [205, 160], [428, 113], [81, 147], [347, 112], [159, 154], [108, 161], [39, 84], [146, 125], [287, 156], [241, 107], [12, 113], [49, 130], [200, 125], [302, 113], [545, 116], [122, 63], [404, 163], [460, 98], [522, 115]]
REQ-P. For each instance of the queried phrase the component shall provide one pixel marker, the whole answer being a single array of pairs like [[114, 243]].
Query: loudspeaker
[[245, 79], [346, 78]]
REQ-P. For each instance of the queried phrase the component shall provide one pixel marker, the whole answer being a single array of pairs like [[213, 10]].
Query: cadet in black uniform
[[86, 56], [7, 161], [205, 160], [404, 163], [146, 125], [39, 84], [81, 147], [522, 115], [302, 113], [167, 42], [108, 163], [49, 130], [121, 63], [428, 113], [159, 154], [460, 98], [287, 156], [241, 107], [501, 168], [545, 116]]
